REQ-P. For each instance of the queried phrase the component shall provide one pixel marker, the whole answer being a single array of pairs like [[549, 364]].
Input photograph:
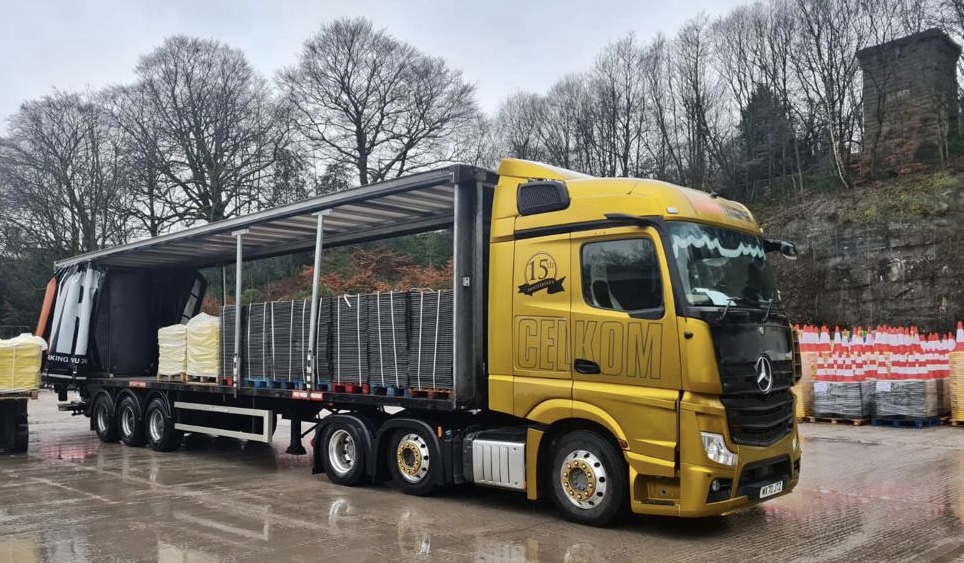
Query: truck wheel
[[21, 437], [343, 454], [161, 434], [104, 422], [409, 461], [588, 477], [131, 422]]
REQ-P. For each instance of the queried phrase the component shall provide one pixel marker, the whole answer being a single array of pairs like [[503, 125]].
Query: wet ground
[[866, 494]]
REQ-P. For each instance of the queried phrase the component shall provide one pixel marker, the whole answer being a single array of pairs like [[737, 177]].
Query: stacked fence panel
[[227, 340], [350, 339], [431, 354], [389, 342], [256, 336], [388, 345]]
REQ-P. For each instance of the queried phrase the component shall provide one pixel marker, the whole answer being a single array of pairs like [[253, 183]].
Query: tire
[[130, 423], [105, 423], [159, 427], [343, 454], [21, 437], [588, 479], [410, 463]]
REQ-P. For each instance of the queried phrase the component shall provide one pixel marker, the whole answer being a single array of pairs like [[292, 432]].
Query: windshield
[[722, 268]]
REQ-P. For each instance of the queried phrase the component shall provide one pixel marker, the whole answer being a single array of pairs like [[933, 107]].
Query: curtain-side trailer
[[615, 345]]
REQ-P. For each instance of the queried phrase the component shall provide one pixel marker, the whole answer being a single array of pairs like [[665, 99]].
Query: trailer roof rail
[[420, 202]]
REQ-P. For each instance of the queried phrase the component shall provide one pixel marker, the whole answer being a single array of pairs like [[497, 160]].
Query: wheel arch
[[139, 399], [165, 400], [389, 427], [364, 425], [555, 429], [558, 411]]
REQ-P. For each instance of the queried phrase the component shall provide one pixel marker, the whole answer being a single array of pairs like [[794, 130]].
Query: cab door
[[625, 352], [540, 327]]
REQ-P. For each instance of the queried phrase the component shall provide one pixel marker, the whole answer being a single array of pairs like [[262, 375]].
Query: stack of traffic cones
[[809, 339], [886, 372]]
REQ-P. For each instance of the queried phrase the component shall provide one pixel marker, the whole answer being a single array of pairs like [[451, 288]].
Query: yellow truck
[[615, 345]]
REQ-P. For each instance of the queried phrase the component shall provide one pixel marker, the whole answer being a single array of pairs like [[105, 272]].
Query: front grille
[[756, 418]]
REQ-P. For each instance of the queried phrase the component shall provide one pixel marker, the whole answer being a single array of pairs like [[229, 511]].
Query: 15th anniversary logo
[[540, 273]]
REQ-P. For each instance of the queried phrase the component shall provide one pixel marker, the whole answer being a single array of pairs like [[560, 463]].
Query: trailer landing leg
[[294, 445]]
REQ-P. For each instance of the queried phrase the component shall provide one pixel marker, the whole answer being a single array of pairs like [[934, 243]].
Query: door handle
[[587, 367]]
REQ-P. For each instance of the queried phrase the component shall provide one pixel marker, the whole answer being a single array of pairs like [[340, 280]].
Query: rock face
[[891, 255]]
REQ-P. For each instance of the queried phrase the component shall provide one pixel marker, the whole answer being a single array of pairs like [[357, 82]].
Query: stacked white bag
[[203, 346], [172, 350]]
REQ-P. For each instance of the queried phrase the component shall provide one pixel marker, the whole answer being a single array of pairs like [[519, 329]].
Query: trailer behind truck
[[614, 345]]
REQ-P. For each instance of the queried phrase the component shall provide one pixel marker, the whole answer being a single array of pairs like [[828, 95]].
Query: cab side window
[[622, 275]]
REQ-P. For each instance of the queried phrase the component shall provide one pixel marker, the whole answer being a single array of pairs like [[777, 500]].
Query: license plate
[[771, 489]]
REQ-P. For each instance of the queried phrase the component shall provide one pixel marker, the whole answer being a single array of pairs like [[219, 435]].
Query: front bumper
[[689, 491]]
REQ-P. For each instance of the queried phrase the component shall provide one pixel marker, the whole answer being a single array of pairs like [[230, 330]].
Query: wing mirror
[[786, 249]]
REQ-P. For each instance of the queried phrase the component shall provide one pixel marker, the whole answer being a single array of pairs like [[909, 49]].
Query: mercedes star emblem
[[764, 374]]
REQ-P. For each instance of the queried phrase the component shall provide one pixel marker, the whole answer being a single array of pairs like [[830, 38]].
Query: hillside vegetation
[[888, 251]]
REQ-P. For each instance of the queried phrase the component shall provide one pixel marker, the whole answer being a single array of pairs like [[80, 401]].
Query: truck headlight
[[715, 448]]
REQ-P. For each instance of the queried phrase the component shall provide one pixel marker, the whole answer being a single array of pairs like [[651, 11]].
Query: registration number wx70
[[771, 489]]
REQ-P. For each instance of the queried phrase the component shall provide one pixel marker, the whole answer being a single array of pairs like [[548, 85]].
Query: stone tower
[[911, 107]]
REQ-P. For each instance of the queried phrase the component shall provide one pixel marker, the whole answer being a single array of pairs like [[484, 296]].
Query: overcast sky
[[502, 46]]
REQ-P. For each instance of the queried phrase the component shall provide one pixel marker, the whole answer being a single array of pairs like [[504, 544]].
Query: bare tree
[[59, 176], [700, 94], [618, 86], [519, 118], [562, 130], [665, 146], [736, 48], [366, 99], [153, 203], [775, 27], [829, 34], [206, 122], [477, 143]]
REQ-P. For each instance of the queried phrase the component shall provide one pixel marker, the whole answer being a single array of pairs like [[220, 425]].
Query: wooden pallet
[[853, 421], [437, 394], [179, 378], [954, 422], [200, 380], [907, 422]]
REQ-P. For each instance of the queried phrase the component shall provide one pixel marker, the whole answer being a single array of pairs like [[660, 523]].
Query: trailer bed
[[11, 395], [322, 398]]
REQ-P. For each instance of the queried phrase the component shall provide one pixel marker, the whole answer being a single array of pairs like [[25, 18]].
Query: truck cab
[[646, 315]]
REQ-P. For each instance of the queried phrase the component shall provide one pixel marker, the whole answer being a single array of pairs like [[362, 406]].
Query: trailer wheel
[[104, 422], [412, 467], [588, 477], [21, 437], [130, 422], [160, 431], [343, 454]]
